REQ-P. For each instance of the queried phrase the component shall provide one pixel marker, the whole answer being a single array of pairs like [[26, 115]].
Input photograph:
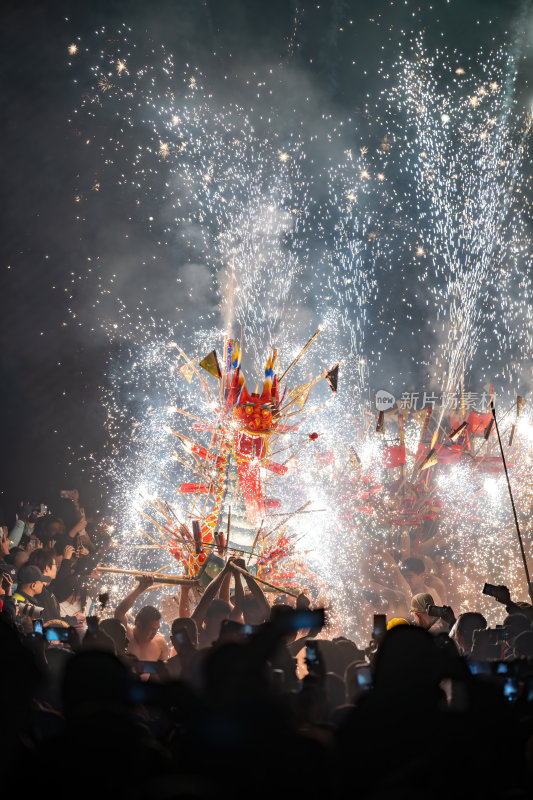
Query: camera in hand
[[491, 635], [364, 677], [312, 657], [28, 609], [438, 611], [56, 635], [379, 626], [491, 590], [488, 643]]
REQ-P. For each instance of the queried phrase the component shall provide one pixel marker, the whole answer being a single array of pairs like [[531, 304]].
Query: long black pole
[[526, 569]]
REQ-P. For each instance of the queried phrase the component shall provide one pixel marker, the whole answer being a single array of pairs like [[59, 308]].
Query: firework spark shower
[[259, 201]]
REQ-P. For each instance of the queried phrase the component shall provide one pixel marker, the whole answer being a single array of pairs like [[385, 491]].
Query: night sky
[[52, 364]]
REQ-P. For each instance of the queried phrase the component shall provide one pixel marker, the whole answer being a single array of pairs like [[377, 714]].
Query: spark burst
[[245, 207]]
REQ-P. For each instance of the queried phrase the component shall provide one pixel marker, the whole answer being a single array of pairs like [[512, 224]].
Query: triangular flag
[[458, 431], [300, 394], [488, 429], [520, 403], [430, 460], [187, 371], [355, 461], [332, 377], [211, 365]]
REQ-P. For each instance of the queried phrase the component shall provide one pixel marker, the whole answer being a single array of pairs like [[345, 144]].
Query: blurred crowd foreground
[[244, 693]]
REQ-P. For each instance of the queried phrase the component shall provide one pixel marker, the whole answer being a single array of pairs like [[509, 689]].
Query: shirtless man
[[145, 643], [420, 581]]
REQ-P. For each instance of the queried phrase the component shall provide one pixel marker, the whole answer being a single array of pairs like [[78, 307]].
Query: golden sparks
[[121, 66], [164, 149], [283, 156], [72, 49], [104, 84]]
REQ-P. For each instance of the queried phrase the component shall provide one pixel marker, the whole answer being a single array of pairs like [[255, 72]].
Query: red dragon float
[[228, 510]]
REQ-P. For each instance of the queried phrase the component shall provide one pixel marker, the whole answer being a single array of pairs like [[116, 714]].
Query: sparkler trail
[[464, 142], [237, 203]]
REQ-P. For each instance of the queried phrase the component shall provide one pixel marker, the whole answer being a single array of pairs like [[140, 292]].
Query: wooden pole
[[522, 551], [255, 541], [300, 354], [158, 577]]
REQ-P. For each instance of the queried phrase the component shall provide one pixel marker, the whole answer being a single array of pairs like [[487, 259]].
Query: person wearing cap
[[30, 583], [395, 621], [419, 605]]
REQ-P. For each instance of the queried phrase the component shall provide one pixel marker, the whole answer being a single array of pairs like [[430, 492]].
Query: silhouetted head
[[94, 681], [189, 625], [251, 610], [465, 626], [523, 645], [147, 623], [117, 632], [406, 667], [413, 570], [516, 624]]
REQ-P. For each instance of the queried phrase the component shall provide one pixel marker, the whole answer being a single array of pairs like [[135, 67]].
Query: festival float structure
[[226, 510], [408, 497]]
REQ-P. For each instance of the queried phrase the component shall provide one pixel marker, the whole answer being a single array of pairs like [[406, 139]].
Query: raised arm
[[78, 527], [124, 606], [236, 614], [184, 607], [224, 592], [504, 597], [198, 615], [256, 590]]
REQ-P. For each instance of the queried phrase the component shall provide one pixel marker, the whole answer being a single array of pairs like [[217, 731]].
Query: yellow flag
[[429, 461], [300, 394], [187, 371], [211, 365]]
